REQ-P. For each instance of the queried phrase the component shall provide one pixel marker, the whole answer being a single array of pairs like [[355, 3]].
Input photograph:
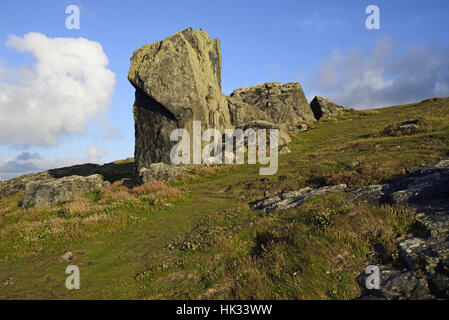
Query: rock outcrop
[[323, 107], [177, 80], [13, 186], [61, 190], [293, 199], [114, 171], [425, 253], [427, 190], [403, 128], [396, 284], [160, 172], [283, 103]]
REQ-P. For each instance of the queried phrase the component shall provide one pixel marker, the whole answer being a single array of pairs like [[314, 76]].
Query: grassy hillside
[[197, 238]]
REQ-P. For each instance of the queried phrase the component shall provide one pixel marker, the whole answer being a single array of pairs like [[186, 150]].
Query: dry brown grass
[[364, 173], [202, 170], [116, 192], [81, 205], [149, 187], [368, 112]]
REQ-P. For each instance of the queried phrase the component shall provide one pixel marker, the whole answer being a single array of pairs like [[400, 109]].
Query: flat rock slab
[[293, 199]]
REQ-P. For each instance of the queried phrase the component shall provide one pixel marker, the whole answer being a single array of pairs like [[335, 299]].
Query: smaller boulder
[[160, 172], [302, 127], [61, 190], [285, 150], [323, 107], [68, 256]]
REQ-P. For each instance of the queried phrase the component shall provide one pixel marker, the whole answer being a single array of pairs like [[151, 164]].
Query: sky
[[65, 98]]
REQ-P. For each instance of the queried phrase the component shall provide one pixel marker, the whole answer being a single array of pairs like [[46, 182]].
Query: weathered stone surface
[[406, 127], [322, 107], [285, 150], [302, 127], [11, 187], [283, 103], [160, 172], [439, 284], [177, 80], [283, 137], [68, 256], [370, 194], [397, 284], [425, 189], [418, 187], [60, 190], [293, 198], [242, 113]]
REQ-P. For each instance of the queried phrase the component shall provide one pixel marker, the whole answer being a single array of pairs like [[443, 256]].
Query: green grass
[[199, 239]]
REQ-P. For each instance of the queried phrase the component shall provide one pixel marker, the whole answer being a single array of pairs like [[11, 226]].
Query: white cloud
[[67, 86], [95, 154], [382, 77]]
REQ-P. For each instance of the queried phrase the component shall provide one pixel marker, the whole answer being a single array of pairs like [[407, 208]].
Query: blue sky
[[324, 45]]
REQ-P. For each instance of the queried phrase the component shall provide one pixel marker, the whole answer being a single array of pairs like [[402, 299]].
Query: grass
[[197, 238]]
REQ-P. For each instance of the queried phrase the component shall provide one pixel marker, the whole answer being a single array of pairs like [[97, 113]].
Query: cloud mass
[[30, 162], [27, 162], [382, 77], [67, 86]]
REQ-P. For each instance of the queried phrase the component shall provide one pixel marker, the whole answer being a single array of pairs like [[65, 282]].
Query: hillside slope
[[198, 237]]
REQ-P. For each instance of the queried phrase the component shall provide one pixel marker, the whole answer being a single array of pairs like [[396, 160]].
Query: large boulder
[[283, 103], [15, 185], [177, 80], [40, 193], [160, 172], [323, 107]]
